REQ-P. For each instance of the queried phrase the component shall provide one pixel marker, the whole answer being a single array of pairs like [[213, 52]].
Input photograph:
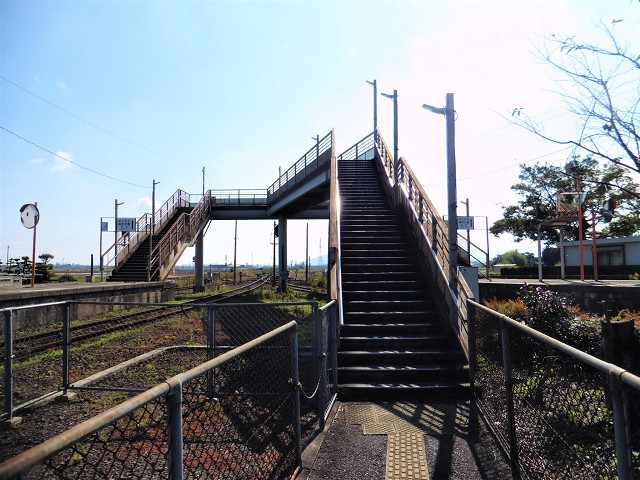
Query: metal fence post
[[508, 386], [66, 346], [322, 366], [621, 426], [174, 410], [211, 348], [334, 346], [471, 317], [8, 363], [296, 395]]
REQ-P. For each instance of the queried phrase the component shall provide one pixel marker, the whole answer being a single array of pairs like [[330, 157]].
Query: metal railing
[[238, 198], [365, 149], [185, 229], [236, 415], [557, 411], [432, 235], [127, 243], [317, 158], [95, 353]]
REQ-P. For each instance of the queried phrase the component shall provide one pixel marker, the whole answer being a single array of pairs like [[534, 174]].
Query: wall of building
[[631, 246]]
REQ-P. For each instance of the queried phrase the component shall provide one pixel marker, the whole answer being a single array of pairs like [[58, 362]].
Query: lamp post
[[394, 97], [375, 104], [449, 113]]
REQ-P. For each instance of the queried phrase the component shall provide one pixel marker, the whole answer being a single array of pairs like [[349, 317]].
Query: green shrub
[[66, 278]]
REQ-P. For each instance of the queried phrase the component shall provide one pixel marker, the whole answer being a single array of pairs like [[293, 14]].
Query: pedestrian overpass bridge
[[402, 314]]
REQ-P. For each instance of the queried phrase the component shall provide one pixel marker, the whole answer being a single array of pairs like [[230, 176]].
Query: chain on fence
[[551, 412], [235, 419]]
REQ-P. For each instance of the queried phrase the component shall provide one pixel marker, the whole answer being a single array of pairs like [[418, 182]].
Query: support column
[[198, 282], [282, 257]]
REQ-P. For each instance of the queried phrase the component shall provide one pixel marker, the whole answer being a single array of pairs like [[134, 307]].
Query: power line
[[90, 123], [71, 161]]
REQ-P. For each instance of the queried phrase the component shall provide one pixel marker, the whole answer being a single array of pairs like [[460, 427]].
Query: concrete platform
[[404, 440], [36, 298]]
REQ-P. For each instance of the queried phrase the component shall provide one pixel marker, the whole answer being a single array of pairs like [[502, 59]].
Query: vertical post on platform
[[580, 232], [296, 394], [235, 247], [33, 258], [621, 425], [198, 284], [66, 346], [211, 348], [595, 248], [174, 404], [282, 247], [472, 317], [508, 386], [306, 257], [115, 231], [8, 363]]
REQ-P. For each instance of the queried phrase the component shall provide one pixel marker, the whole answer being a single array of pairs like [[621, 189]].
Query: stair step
[[402, 391], [403, 373]]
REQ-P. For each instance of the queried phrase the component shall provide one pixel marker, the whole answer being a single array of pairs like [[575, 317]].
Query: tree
[[601, 88], [44, 270], [514, 257], [539, 185]]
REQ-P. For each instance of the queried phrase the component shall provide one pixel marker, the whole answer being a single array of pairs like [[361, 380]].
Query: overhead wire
[[71, 161], [91, 123]]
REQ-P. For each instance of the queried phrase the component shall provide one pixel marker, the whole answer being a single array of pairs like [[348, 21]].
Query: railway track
[[29, 345]]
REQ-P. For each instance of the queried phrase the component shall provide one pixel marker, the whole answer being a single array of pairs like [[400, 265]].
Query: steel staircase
[[392, 343], [135, 267]]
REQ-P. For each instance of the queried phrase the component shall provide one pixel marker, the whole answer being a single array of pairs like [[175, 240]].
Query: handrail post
[[174, 404], [471, 313], [334, 345], [8, 363], [211, 348], [66, 346], [508, 386], [296, 394], [621, 427]]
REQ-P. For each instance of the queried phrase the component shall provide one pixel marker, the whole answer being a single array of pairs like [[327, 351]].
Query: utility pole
[[452, 191], [203, 181], [235, 246], [375, 104]]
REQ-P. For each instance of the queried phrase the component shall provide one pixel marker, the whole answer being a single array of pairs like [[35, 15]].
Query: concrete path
[[404, 440]]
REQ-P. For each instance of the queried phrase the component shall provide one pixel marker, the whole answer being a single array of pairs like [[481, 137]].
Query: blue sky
[[140, 91]]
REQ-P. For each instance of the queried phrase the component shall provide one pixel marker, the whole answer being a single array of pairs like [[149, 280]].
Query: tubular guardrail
[[362, 150], [315, 159], [557, 411], [432, 234], [238, 198], [186, 425]]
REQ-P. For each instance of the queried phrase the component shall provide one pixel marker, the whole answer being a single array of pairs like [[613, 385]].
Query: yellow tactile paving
[[406, 458]]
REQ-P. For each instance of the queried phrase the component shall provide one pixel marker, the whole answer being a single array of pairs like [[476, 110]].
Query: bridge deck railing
[[557, 411], [316, 159]]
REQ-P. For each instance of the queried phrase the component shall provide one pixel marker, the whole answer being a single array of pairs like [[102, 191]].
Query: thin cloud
[[144, 202], [36, 160], [62, 161]]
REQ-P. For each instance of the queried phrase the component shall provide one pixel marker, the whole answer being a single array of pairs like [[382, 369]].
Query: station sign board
[[126, 225], [465, 223]]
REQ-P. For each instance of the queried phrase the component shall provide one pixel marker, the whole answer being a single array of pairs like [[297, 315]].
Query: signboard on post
[[126, 225], [465, 223]]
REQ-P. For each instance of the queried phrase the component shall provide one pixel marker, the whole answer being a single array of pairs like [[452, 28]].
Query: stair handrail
[[303, 167], [127, 243], [360, 148], [435, 234], [188, 224]]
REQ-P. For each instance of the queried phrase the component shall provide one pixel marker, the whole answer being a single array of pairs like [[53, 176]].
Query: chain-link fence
[[235, 416], [141, 345], [558, 412]]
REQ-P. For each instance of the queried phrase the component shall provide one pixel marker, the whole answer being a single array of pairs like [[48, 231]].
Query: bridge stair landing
[[135, 267], [393, 344]]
